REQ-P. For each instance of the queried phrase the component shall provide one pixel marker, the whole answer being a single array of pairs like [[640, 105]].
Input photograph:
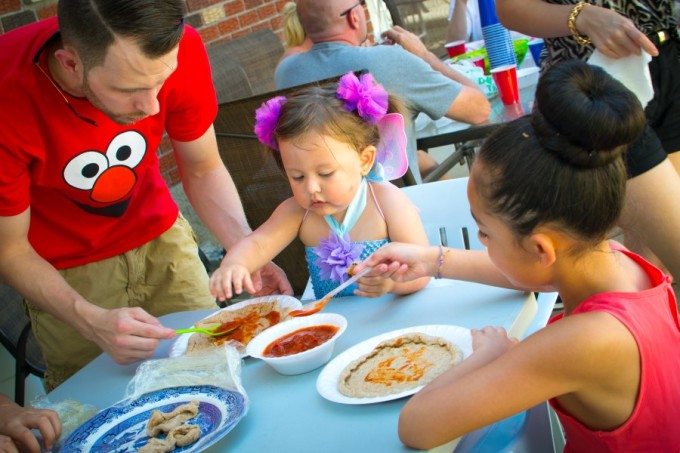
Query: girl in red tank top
[[545, 191]]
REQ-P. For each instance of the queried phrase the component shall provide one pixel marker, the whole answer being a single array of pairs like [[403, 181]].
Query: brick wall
[[214, 19]]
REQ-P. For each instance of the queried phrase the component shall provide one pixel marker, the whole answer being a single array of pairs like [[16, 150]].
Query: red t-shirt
[[652, 318], [94, 191]]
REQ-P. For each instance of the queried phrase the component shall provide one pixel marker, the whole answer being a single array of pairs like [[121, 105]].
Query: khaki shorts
[[162, 276]]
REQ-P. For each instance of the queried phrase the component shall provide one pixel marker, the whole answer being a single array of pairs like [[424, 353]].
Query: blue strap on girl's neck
[[354, 211]]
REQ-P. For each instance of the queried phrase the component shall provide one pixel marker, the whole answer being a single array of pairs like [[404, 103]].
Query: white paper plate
[[327, 382], [179, 347]]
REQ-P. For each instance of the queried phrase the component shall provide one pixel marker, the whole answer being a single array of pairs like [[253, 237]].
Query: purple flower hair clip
[[266, 119], [364, 95]]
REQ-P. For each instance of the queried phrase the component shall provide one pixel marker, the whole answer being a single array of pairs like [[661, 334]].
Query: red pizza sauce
[[300, 340]]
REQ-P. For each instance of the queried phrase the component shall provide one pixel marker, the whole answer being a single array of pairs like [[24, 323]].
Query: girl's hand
[[402, 262], [228, 276], [613, 34], [492, 342], [374, 286]]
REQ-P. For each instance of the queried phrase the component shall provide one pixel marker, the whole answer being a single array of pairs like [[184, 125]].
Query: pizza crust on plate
[[398, 364]]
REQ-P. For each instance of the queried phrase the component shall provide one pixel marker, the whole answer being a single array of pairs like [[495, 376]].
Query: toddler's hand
[[491, 341], [374, 286], [228, 276]]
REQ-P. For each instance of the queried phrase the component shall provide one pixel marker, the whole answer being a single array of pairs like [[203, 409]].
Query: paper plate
[[327, 382], [122, 427], [179, 347]]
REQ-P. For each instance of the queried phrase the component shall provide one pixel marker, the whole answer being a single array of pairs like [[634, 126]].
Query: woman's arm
[[613, 34]]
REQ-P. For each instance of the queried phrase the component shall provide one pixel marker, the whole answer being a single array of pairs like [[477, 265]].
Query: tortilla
[[163, 422], [397, 365], [253, 319], [179, 434]]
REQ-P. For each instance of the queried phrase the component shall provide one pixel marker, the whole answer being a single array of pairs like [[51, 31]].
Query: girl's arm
[[263, 244], [255, 250], [585, 358], [406, 262]]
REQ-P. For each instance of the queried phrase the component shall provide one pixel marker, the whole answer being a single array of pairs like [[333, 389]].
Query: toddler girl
[[336, 144], [545, 191]]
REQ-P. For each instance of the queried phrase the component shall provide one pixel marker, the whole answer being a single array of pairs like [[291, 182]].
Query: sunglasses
[[346, 12]]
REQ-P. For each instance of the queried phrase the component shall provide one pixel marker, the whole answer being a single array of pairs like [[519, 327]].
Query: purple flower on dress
[[335, 255], [364, 95], [266, 119]]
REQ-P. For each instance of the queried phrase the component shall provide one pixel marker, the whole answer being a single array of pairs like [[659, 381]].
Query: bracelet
[[571, 23], [440, 261]]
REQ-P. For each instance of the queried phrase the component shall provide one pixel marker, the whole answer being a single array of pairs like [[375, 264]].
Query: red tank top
[[652, 318]]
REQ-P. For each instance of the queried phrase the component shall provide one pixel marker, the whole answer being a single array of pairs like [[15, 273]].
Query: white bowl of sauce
[[298, 345]]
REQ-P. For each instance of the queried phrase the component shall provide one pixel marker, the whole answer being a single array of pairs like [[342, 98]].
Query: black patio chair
[[16, 336]]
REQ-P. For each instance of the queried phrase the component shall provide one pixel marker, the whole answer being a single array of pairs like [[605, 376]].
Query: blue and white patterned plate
[[122, 427]]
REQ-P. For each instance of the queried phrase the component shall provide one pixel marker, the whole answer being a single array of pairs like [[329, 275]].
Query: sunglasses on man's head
[[346, 12]]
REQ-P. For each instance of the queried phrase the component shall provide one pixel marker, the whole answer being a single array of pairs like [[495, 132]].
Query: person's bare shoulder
[[589, 346]]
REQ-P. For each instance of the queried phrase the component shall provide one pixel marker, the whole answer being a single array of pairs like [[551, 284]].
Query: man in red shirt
[[89, 233]]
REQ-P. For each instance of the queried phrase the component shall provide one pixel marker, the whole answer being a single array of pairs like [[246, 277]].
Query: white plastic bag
[[476, 74]]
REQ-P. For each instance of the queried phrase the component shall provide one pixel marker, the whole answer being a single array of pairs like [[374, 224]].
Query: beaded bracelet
[[571, 23], [440, 260]]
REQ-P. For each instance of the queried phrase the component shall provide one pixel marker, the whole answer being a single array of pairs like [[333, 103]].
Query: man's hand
[[407, 40], [271, 279], [16, 423], [127, 334]]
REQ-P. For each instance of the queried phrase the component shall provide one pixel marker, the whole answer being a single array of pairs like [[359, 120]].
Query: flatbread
[[163, 422], [179, 434], [253, 318], [397, 365]]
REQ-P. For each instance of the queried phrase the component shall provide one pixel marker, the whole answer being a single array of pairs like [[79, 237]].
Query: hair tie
[[266, 119], [364, 95]]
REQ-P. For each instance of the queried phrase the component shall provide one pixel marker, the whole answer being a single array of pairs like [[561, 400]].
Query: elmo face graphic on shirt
[[108, 177]]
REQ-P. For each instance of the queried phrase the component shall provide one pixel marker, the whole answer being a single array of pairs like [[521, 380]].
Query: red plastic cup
[[479, 62], [505, 78], [455, 48]]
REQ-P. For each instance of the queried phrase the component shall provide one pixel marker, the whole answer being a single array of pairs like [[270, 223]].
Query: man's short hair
[[317, 16], [91, 26]]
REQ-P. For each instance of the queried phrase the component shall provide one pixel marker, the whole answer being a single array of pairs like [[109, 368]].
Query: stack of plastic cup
[[496, 37]]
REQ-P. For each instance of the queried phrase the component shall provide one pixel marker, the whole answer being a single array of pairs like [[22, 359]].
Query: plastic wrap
[[220, 367], [71, 413]]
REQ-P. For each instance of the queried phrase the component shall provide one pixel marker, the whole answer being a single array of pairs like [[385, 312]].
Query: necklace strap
[[354, 211]]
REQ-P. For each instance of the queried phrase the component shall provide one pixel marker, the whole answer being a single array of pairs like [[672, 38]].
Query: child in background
[[16, 423], [545, 190], [338, 145], [296, 39]]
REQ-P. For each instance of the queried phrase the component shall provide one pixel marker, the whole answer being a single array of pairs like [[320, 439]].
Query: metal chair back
[[16, 336], [445, 212]]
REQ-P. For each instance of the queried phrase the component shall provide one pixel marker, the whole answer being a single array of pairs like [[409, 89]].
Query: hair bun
[[589, 120], [570, 152]]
